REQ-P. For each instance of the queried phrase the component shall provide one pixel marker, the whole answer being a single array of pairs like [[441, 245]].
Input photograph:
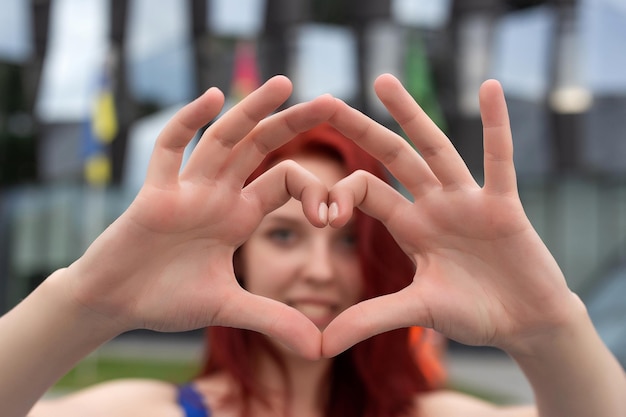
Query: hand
[[483, 275], [166, 263]]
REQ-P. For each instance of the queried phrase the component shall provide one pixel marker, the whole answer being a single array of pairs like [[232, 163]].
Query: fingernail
[[323, 213], [333, 212]]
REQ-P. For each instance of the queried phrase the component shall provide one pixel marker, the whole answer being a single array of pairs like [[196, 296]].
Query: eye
[[283, 236], [348, 240]]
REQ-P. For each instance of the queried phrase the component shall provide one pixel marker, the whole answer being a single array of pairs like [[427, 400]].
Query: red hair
[[379, 376]]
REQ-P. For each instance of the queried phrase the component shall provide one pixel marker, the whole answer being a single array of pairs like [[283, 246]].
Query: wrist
[[567, 322], [571, 370], [79, 317], [43, 337]]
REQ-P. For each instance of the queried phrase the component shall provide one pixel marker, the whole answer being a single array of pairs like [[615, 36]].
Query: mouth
[[320, 313]]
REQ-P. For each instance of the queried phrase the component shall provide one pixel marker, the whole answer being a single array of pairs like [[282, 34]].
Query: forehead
[[326, 168]]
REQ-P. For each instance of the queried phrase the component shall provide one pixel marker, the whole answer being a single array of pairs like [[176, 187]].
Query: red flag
[[246, 76]]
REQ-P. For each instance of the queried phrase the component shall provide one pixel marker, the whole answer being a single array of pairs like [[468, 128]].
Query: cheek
[[353, 282], [264, 276]]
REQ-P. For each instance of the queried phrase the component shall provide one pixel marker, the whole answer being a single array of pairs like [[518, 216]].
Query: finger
[[167, 156], [371, 317], [274, 319], [285, 180], [389, 148], [498, 143], [432, 143], [367, 192], [218, 140], [275, 131]]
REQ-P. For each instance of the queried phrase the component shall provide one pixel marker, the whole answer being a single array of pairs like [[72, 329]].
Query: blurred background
[[86, 85]]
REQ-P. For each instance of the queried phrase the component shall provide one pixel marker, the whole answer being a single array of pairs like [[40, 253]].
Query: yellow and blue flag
[[100, 130]]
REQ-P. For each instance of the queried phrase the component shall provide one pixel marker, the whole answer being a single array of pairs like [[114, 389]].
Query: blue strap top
[[191, 402]]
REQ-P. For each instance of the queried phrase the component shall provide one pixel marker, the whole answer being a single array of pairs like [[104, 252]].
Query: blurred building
[[560, 61]]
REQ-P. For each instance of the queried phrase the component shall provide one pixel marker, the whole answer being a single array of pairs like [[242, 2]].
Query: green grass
[[98, 369], [482, 394]]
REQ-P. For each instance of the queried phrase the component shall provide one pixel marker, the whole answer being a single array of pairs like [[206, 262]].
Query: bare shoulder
[[220, 394], [127, 397], [445, 403]]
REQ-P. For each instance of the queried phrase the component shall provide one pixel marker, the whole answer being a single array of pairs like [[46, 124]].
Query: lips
[[320, 313]]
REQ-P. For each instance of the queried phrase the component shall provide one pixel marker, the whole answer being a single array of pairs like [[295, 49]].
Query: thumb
[[371, 317], [274, 319]]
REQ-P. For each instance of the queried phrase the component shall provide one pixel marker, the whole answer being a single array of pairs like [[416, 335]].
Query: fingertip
[[309, 348], [330, 349], [213, 91], [313, 198], [333, 341], [280, 77], [213, 96], [490, 87], [492, 82], [281, 80], [387, 86], [305, 339], [317, 218], [313, 349], [492, 103], [385, 77], [325, 96], [333, 212], [327, 100], [323, 213], [323, 107], [331, 352]]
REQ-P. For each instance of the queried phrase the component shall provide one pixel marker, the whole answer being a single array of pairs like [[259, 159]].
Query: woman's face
[[314, 270]]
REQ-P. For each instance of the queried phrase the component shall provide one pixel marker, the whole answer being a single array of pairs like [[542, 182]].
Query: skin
[[315, 270], [474, 244], [173, 271], [176, 233], [496, 261]]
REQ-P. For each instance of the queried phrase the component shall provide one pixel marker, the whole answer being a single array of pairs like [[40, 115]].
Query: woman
[[481, 275], [288, 259]]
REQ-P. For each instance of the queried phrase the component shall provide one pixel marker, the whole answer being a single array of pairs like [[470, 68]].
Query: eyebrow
[[282, 218], [291, 221]]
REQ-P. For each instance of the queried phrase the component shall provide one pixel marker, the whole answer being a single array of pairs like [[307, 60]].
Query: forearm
[[40, 340], [574, 374]]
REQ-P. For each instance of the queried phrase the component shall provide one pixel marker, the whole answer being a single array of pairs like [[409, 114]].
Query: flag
[[100, 130], [419, 81], [246, 77]]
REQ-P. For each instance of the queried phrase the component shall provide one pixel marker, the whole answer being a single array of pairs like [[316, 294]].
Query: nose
[[319, 264]]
